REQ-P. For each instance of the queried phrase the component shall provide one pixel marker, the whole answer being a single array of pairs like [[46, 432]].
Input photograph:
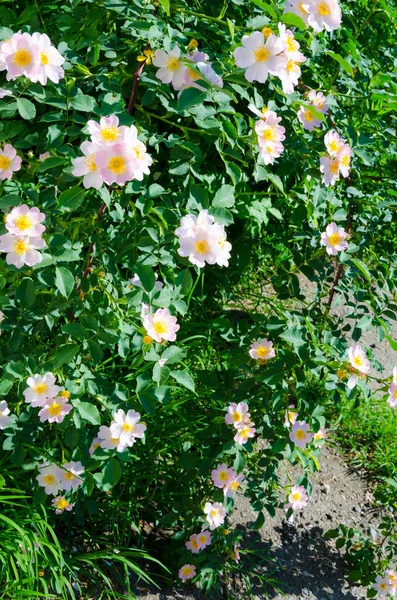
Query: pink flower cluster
[[9, 161], [199, 541], [300, 434], [262, 350], [114, 155], [262, 53], [227, 479], [203, 241], [23, 239], [386, 585], [4, 412], [338, 160], [161, 326], [44, 393], [53, 478], [334, 239], [360, 365], [215, 514], [270, 136], [392, 400], [306, 116], [123, 432], [297, 498], [318, 14], [239, 417], [185, 71], [32, 56]]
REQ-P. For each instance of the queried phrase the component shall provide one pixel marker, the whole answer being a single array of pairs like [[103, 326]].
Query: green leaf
[[166, 6], [292, 19], [64, 281], [224, 197], [88, 412], [363, 268], [50, 163], [173, 354], [184, 379], [146, 275], [109, 476], [264, 6], [83, 103], [95, 351], [294, 336], [5, 385], [26, 108], [148, 402], [259, 522], [10, 200], [189, 98], [71, 199], [392, 343], [65, 354], [26, 293], [342, 61]]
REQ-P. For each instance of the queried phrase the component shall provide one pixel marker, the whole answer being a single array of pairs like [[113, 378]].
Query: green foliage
[[77, 315]]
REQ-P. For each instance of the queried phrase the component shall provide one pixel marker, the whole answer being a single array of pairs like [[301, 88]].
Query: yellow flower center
[[90, 162], [291, 43], [302, 8], [202, 539], [262, 351], [193, 75], [237, 417], [234, 486], [69, 476], [345, 160], [139, 153], [383, 586], [341, 373], [62, 503], [334, 239], [300, 434], [44, 58], [4, 162], [20, 247], [267, 32], [55, 409], [358, 361], [244, 433], [214, 513], [110, 134], [324, 9], [23, 222], [65, 394], [291, 65], [117, 165], [334, 168], [309, 115], [128, 427], [186, 571], [172, 64], [194, 544], [395, 393], [223, 476], [261, 54], [147, 339], [49, 479], [115, 441], [334, 146], [40, 388], [202, 246], [269, 134], [296, 496], [160, 327], [22, 57]]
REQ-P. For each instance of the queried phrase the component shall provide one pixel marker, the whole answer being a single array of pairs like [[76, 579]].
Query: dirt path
[[309, 566]]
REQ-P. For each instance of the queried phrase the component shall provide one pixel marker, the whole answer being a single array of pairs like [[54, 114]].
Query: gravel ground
[[309, 566]]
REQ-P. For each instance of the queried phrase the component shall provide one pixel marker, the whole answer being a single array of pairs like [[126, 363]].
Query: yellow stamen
[[172, 64], [90, 162], [23, 222], [69, 476], [202, 246], [223, 476], [262, 351], [62, 503], [128, 428], [40, 388], [65, 394], [300, 434], [4, 162], [261, 54], [147, 340], [49, 479], [160, 327], [44, 58], [334, 239], [324, 9], [267, 32], [22, 58], [55, 409], [117, 165]]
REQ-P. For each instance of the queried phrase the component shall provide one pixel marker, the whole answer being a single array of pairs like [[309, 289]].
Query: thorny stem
[[137, 77], [340, 268], [87, 269]]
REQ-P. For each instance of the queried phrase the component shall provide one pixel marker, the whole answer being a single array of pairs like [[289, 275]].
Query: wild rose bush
[[169, 172]]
